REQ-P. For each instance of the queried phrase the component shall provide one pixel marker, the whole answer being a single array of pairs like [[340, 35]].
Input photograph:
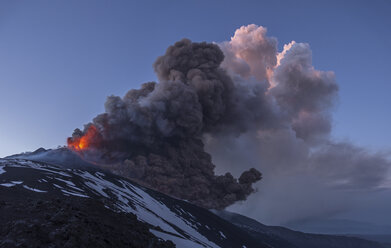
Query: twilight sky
[[59, 60]]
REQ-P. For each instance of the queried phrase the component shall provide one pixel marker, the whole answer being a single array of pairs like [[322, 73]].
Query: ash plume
[[155, 133], [239, 104], [306, 173]]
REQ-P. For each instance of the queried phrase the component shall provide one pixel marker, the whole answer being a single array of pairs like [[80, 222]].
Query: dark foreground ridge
[[58, 206], [47, 205], [69, 222]]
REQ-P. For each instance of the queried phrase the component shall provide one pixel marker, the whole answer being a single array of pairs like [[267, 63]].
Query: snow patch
[[35, 190], [57, 186], [29, 164], [7, 184], [73, 193], [179, 242], [222, 235], [65, 181], [11, 184]]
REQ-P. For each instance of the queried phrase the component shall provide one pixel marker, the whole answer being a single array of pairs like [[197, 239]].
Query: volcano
[[49, 201]]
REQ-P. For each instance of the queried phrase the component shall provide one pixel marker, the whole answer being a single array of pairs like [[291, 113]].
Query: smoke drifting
[[306, 173], [240, 104], [156, 132]]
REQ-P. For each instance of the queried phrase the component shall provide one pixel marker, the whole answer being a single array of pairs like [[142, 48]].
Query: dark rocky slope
[[35, 220], [57, 205], [277, 236], [60, 205]]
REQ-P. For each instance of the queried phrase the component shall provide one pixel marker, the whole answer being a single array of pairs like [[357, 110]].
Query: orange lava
[[82, 143]]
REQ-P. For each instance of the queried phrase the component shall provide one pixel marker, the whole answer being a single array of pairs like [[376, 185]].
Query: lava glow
[[83, 142]]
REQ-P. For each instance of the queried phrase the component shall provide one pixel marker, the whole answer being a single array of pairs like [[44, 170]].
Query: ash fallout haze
[[277, 111]]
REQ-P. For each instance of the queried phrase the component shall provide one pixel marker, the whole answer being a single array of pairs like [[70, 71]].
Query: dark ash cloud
[[238, 105], [154, 134]]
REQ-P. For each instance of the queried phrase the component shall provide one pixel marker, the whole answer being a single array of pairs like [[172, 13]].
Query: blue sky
[[59, 60]]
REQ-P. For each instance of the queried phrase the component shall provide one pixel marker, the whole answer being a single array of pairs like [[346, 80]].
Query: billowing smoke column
[[306, 173], [157, 130], [247, 105]]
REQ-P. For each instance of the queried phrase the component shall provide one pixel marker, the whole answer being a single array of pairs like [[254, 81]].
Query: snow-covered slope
[[170, 219], [157, 214]]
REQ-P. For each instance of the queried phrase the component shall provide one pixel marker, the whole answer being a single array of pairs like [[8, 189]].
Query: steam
[[243, 105], [306, 173]]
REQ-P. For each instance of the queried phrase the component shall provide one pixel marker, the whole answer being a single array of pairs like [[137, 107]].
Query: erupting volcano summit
[[155, 134]]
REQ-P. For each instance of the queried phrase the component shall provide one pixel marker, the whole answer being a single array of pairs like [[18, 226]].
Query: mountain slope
[[48, 205], [277, 236], [41, 221], [167, 218]]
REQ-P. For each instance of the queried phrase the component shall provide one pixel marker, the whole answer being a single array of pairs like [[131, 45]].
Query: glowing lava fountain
[[82, 142]]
